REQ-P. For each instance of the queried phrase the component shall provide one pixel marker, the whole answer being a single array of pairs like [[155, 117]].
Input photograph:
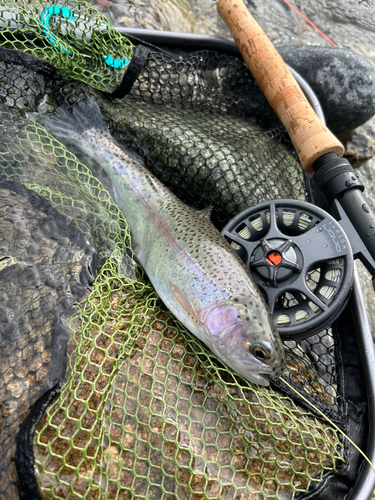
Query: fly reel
[[300, 258]]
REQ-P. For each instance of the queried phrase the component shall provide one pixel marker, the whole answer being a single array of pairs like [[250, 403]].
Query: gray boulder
[[343, 81]]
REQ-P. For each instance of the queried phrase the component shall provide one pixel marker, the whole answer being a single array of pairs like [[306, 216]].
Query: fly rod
[[318, 149]]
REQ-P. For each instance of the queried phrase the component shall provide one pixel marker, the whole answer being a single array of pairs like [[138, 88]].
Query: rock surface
[[360, 143], [44, 268], [343, 81]]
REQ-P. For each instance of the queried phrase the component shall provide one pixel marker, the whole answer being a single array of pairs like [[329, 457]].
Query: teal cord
[[57, 10]]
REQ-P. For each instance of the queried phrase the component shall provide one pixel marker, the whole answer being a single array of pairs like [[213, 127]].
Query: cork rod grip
[[310, 136]]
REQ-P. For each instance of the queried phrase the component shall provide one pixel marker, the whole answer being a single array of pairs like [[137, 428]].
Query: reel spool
[[300, 258]]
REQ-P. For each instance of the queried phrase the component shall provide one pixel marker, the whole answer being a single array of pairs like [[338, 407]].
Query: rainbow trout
[[194, 270]]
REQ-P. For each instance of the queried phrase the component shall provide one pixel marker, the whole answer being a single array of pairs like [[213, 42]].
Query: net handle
[[310, 137]]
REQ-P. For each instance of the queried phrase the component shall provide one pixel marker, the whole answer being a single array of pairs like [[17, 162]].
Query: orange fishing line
[[311, 23]]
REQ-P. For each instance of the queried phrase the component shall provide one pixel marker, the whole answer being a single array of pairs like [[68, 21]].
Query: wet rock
[[343, 81], [360, 143], [42, 270]]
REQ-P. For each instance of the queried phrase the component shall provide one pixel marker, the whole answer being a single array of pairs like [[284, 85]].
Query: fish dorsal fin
[[184, 302]]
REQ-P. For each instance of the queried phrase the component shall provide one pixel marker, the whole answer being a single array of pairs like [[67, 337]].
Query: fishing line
[[310, 22], [330, 421], [143, 42]]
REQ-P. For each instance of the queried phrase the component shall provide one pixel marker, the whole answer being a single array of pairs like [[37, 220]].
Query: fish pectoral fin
[[184, 302]]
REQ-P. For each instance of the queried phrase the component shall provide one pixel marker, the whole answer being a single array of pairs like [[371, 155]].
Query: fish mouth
[[263, 378], [274, 372], [255, 371], [256, 378], [262, 370]]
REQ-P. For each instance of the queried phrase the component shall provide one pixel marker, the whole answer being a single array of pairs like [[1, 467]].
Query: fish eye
[[260, 351]]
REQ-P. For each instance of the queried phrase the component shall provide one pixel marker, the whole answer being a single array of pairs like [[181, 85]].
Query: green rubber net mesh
[[142, 410], [79, 42]]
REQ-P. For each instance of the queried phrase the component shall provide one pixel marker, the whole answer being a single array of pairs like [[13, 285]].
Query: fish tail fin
[[71, 122]]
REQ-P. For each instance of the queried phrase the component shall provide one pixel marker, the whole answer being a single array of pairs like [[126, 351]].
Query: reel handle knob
[[310, 137]]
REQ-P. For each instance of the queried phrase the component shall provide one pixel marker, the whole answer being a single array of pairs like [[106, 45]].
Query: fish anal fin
[[184, 302]]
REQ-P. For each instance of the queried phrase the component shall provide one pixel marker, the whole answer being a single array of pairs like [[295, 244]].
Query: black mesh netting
[[237, 157], [144, 410]]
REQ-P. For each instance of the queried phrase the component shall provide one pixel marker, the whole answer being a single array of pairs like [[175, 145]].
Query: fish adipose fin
[[184, 302], [206, 212]]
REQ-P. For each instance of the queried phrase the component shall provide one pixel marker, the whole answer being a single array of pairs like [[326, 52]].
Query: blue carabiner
[[57, 10]]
